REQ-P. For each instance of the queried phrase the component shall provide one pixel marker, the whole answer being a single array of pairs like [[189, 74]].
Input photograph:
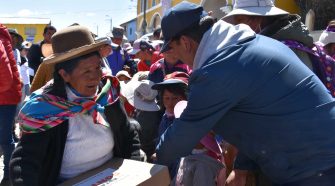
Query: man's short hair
[[197, 30], [48, 27]]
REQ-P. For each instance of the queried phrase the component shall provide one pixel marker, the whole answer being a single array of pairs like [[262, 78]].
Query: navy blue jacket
[[261, 98]]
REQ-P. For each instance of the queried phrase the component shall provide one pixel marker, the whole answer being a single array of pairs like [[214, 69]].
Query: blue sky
[[95, 14]]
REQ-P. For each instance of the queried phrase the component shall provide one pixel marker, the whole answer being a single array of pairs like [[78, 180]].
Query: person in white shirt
[[24, 69]]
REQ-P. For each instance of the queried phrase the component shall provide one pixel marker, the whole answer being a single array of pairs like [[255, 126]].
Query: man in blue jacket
[[256, 93], [119, 57]]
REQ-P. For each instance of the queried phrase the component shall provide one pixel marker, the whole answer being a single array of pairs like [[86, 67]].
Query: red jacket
[[143, 66], [10, 85]]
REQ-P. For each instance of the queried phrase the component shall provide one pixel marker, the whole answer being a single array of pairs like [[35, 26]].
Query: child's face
[[170, 100]]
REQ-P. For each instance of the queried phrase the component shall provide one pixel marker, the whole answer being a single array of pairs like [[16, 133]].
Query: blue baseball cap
[[178, 19]]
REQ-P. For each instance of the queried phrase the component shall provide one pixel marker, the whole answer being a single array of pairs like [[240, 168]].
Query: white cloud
[[6, 15], [90, 14], [25, 13]]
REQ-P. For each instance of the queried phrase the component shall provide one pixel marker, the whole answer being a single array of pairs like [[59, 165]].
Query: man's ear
[[64, 75], [189, 44], [185, 42]]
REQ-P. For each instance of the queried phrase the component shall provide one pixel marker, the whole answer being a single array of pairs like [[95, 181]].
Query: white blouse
[[87, 146]]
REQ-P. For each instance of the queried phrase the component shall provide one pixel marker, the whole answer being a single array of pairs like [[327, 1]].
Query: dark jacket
[[35, 56], [290, 27], [268, 104], [37, 158]]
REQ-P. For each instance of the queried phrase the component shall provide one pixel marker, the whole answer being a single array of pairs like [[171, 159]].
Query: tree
[[324, 11]]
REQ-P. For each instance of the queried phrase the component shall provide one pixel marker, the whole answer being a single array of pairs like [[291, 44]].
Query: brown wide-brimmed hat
[[72, 42]]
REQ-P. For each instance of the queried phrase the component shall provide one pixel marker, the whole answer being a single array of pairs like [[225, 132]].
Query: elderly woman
[[75, 124]]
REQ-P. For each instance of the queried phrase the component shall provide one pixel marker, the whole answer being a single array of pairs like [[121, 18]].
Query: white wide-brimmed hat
[[254, 8], [140, 95], [141, 44], [123, 73]]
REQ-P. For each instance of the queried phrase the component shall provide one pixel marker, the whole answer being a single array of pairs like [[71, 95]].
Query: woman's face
[[85, 77], [170, 100]]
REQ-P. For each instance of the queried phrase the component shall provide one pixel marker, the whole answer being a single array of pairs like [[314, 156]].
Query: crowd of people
[[244, 100]]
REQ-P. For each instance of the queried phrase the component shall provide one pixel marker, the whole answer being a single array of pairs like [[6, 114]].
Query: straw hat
[[254, 8], [72, 42]]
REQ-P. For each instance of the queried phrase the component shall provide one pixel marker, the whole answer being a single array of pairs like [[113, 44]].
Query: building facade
[[130, 29], [31, 29], [155, 9]]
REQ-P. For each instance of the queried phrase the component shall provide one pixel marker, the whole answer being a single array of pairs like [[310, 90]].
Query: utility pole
[[111, 27], [144, 24], [110, 19]]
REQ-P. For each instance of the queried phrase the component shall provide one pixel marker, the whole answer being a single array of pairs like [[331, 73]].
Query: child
[[205, 164]]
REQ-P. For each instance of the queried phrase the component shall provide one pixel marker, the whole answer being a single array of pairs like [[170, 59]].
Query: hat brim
[[166, 46], [255, 11], [112, 36], [17, 35], [326, 38], [128, 89], [142, 105], [122, 74], [159, 86], [77, 52], [133, 51]]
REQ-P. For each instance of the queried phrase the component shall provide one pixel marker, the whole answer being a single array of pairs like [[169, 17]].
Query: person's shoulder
[[158, 65], [156, 55], [35, 46]]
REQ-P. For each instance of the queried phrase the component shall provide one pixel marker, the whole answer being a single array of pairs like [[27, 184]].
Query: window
[[153, 3], [30, 31], [142, 5], [130, 31]]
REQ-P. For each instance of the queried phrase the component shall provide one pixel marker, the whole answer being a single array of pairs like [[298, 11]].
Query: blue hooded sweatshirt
[[258, 95]]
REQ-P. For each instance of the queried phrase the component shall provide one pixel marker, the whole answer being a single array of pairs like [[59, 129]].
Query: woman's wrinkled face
[[85, 77], [170, 100]]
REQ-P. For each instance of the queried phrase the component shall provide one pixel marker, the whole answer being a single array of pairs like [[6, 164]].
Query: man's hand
[[237, 178]]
